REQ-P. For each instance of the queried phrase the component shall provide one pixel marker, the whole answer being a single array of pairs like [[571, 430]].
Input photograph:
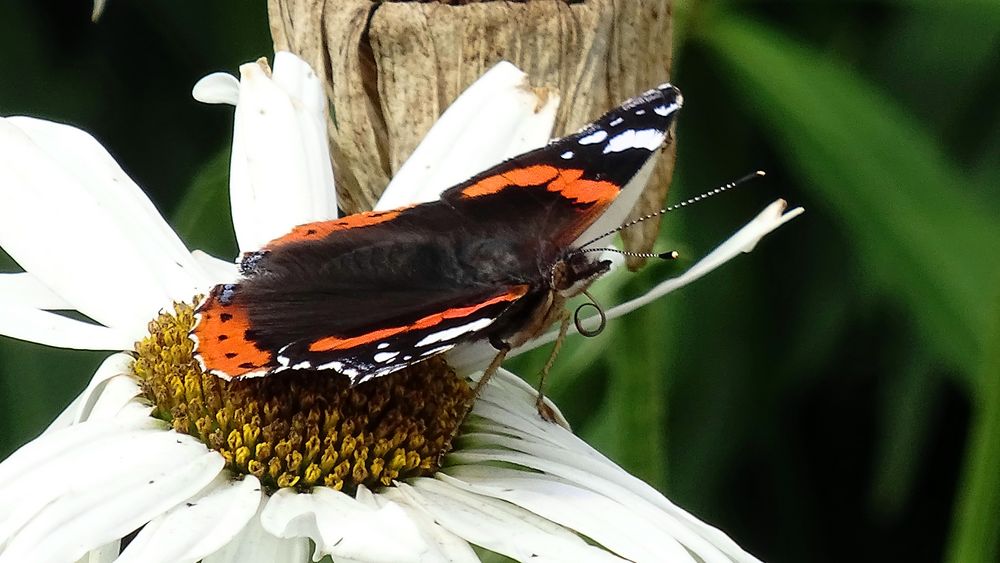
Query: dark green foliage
[[832, 396]]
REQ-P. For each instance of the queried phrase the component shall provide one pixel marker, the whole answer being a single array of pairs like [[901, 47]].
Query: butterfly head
[[574, 272]]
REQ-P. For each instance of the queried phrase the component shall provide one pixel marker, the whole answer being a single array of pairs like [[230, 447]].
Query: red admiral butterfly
[[493, 259]]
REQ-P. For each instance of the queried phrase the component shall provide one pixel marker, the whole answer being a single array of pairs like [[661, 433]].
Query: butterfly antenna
[[671, 255], [685, 203]]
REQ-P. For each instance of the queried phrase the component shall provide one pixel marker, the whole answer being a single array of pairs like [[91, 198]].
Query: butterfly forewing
[[372, 293]]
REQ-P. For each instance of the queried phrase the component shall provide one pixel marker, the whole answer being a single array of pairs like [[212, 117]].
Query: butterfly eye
[[570, 275]]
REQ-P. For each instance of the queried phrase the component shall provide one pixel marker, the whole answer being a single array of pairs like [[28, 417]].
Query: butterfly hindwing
[[380, 352], [235, 338]]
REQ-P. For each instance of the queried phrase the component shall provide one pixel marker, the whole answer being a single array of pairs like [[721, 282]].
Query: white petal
[[74, 524], [66, 418], [113, 398], [119, 483], [445, 545], [217, 88], [533, 131], [34, 475], [281, 175], [116, 366], [742, 241], [467, 359], [345, 528], [499, 526], [497, 117], [255, 545], [107, 553], [43, 327], [26, 289], [199, 526], [106, 396], [300, 82], [509, 390], [596, 516], [83, 157], [302, 85], [218, 271], [506, 419], [509, 431], [651, 529], [72, 218], [60, 442]]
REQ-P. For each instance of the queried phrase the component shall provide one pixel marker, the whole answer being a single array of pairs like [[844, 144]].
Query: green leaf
[[36, 383], [908, 419], [203, 219], [905, 62], [632, 428], [920, 237], [975, 526]]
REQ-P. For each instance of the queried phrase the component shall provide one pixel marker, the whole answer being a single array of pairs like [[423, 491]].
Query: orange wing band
[[566, 181], [332, 343], [320, 230]]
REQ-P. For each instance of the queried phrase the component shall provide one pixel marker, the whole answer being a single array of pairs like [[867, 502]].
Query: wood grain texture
[[391, 68]]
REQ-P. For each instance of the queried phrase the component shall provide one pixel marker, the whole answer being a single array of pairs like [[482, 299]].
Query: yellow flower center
[[301, 428]]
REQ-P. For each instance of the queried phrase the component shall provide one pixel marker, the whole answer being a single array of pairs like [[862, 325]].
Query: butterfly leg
[[544, 410], [502, 349]]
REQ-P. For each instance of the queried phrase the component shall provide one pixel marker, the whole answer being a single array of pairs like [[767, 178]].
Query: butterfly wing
[[371, 293], [363, 295], [232, 345], [573, 180]]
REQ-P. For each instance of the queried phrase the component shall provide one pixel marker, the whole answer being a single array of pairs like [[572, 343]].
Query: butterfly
[[494, 259]]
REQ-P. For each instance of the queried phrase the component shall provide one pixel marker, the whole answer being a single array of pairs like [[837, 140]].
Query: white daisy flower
[[156, 461]]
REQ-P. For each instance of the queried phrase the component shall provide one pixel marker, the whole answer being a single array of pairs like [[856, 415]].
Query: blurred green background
[[834, 395]]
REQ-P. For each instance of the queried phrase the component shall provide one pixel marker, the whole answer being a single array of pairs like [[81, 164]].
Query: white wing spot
[[595, 137], [339, 368], [383, 357], [302, 365], [649, 139], [258, 373], [383, 345], [665, 110], [640, 112], [617, 121], [454, 332], [567, 155]]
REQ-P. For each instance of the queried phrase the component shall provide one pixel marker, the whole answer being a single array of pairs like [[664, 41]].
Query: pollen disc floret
[[302, 429]]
